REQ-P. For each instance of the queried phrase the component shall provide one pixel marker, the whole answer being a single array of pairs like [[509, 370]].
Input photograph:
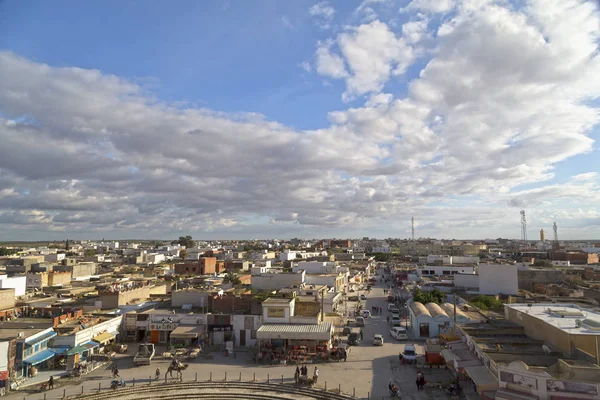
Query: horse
[[177, 369]]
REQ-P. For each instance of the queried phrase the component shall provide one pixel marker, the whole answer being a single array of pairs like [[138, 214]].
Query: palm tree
[[232, 277]]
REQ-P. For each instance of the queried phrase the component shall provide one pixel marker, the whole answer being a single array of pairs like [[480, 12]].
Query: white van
[[398, 333]]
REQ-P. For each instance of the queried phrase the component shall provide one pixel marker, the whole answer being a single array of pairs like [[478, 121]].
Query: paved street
[[367, 372]]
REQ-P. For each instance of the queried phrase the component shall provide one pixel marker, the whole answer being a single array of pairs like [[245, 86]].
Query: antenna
[[412, 222], [523, 228]]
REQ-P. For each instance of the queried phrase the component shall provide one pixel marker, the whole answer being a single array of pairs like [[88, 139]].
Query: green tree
[[89, 252], [486, 302], [183, 254], [185, 241], [434, 296], [232, 277]]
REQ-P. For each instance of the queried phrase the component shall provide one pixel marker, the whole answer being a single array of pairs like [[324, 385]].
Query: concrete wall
[[540, 330], [7, 298], [196, 298], [316, 267], [39, 280], [498, 278], [529, 277], [59, 278], [114, 300], [271, 281], [245, 324], [78, 270], [466, 281]]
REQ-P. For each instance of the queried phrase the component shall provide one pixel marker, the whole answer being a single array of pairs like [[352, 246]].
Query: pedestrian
[[361, 334], [297, 374], [316, 375], [157, 373], [51, 382], [116, 372]]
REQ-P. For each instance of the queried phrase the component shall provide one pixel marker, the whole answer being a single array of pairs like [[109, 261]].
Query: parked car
[[409, 353], [366, 313], [398, 333], [363, 297], [360, 321], [377, 340], [392, 307], [352, 298], [346, 331]]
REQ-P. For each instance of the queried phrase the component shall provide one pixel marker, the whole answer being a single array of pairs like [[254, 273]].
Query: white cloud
[[372, 52], [323, 12], [434, 6], [329, 64], [503, 98]]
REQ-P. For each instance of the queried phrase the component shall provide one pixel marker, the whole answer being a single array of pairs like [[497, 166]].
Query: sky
[[279, 119]]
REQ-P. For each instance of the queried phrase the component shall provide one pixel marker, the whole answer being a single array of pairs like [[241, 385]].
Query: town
[[490, 319]]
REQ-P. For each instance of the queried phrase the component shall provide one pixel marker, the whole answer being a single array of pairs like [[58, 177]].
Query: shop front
[[36, 355], [186, 336], [161, 332], [79, 355], [294, 343]]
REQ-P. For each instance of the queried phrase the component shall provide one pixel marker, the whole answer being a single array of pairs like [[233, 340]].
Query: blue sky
[[423, 123]]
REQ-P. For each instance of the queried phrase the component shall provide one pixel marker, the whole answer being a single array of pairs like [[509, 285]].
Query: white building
[[316, 267], [422, 323], [275, 280], [498, 279], [155, 258], [19, 283], [54, 257], [287, 255], [111, 326], [439, 270]]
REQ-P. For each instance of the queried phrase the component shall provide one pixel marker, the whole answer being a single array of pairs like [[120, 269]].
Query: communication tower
[[523, 228], [555, 229], [412, 223]]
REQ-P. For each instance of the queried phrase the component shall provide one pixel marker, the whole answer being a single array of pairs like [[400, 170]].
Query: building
[[436, 270], [422, 322], [491, 279], [237, 265], [18, 283], [278, 280], [202, 266], [189, 298], [316, 267], [566, 326], [54, 258], [33, 352], [336, 281], [292, 336], [81, 270], [567, 379]]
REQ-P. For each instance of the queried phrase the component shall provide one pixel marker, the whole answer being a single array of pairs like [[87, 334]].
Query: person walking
[[116, 372], [51, 382], [316, 375], [297, 374], [361, 334], [157, 373]]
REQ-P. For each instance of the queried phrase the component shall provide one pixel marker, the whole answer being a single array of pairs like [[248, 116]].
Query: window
[[275, 312], [454, 272], [446, 272], [253, 334]]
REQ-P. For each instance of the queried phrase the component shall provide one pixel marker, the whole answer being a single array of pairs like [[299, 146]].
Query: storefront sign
[[518, 379], [162, 327], [216, 328]]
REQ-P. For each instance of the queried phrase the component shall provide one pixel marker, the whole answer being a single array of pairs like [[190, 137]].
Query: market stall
[[294, 343]]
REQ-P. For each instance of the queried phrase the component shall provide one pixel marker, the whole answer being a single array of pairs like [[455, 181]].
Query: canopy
[[39, 357], [83, 348], [320, 331], [104, 338], [448, 355], [186, 332], [482, 377]]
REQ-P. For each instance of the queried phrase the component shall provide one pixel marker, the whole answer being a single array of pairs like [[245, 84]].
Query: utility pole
[[322, 303]]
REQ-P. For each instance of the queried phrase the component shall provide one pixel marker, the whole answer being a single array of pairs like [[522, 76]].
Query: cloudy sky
[[237, 119]]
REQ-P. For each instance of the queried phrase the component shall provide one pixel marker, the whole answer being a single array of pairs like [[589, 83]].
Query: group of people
[[301, 374], [377, 310]]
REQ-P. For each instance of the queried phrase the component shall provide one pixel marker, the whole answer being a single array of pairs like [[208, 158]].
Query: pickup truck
[[144, 355]]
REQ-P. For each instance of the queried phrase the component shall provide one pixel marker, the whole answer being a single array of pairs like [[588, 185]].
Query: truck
[[433, 355], [144, 354]]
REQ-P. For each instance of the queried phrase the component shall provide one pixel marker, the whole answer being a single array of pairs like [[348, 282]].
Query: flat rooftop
[[569, 318]]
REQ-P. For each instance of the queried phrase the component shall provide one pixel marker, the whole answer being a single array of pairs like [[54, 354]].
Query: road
[[367, 372]]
